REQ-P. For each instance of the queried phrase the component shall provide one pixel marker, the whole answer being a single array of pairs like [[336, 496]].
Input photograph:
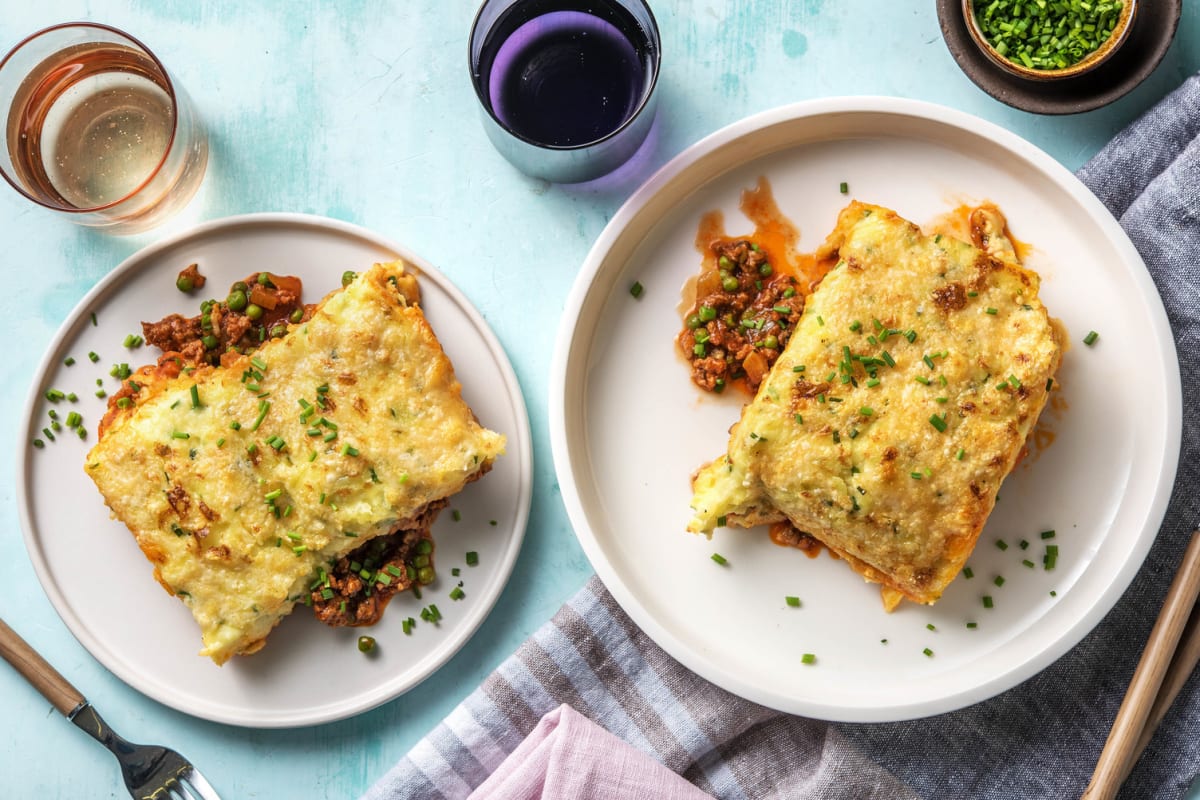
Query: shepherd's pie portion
[[902, 401], [242, 482]]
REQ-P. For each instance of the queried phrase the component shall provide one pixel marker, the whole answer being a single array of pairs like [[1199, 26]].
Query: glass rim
[[485, 101], [170, 86]]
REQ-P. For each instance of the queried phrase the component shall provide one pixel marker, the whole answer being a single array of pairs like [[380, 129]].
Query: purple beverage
[[565, 78]]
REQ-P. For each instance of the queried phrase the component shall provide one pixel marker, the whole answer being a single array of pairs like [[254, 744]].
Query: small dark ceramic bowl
[[1091, 61]]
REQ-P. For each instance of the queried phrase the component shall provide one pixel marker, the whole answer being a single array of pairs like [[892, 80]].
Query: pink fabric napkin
[[568, 755]]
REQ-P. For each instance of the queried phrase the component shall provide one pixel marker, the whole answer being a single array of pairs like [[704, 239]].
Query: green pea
[[693, 321], [297, 315], [366, 644], [184, 284], [771, 343], [424, 547], [254, 312], [707, 313], [729, 283], [278, 331], [237, 300], [425, 575], [210, 342], [765, 269], [724, 263], [264, 279], [420, 560], [348, 277], [240, 286]]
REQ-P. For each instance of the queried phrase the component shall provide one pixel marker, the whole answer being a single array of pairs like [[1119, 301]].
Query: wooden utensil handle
[[45, 678], [1120, 751]]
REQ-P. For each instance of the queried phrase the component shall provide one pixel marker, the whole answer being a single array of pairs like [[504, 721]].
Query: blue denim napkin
[[1038, 740]]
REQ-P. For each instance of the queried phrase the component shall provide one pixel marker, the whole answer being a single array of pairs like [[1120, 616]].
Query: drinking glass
[[97, 130], [567, 88]]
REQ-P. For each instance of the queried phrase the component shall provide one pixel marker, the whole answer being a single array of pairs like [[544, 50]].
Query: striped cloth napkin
[[1038, 740]]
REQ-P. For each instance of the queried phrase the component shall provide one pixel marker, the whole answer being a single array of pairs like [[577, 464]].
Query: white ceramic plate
[[628, 428], [101, 584]]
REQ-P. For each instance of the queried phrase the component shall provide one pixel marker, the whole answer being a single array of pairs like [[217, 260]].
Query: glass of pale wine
[[97, 130]]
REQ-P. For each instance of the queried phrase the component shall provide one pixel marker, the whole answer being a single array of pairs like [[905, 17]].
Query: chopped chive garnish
[[928, 361], [1027, 563], [916, 476], [720, 559], [866, 411], [1047, 534], [472, 558], [1091, 338], [636, 289], [843, 187], [987, 601], [938, 422], [856, 326], [794, 602], [1003, 545], [930, 626], [349, 450], [808, 658], [195, 392], [180, 435], [93, 356], [928, 652], [263, 407], [887, 358], [990, 310], [259, 363], [998, 580], [457, 593]]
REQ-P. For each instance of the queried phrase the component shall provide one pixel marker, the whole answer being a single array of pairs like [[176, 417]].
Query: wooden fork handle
[[45, 678]]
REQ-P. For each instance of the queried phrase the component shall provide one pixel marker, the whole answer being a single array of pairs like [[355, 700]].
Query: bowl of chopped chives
[[1047, 40]]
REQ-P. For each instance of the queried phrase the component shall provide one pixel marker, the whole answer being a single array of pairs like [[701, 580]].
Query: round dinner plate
[[628, 428], [101, 584]]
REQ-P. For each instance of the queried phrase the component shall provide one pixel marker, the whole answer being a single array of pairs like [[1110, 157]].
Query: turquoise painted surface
[[362, 111]]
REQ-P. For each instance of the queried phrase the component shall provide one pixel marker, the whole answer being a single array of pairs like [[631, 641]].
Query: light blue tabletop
[[362, 111]]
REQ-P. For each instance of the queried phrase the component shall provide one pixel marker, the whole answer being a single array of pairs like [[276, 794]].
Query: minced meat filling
[[361, 584], [742, 320], [255, 310]]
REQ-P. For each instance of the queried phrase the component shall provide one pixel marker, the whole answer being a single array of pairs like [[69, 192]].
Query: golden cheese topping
[[902, 401], [241, 482]]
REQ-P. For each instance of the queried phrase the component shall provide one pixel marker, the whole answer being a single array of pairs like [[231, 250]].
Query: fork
[[150, 772]]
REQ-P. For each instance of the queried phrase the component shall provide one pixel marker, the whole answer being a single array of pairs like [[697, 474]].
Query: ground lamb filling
[[744, 315]]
